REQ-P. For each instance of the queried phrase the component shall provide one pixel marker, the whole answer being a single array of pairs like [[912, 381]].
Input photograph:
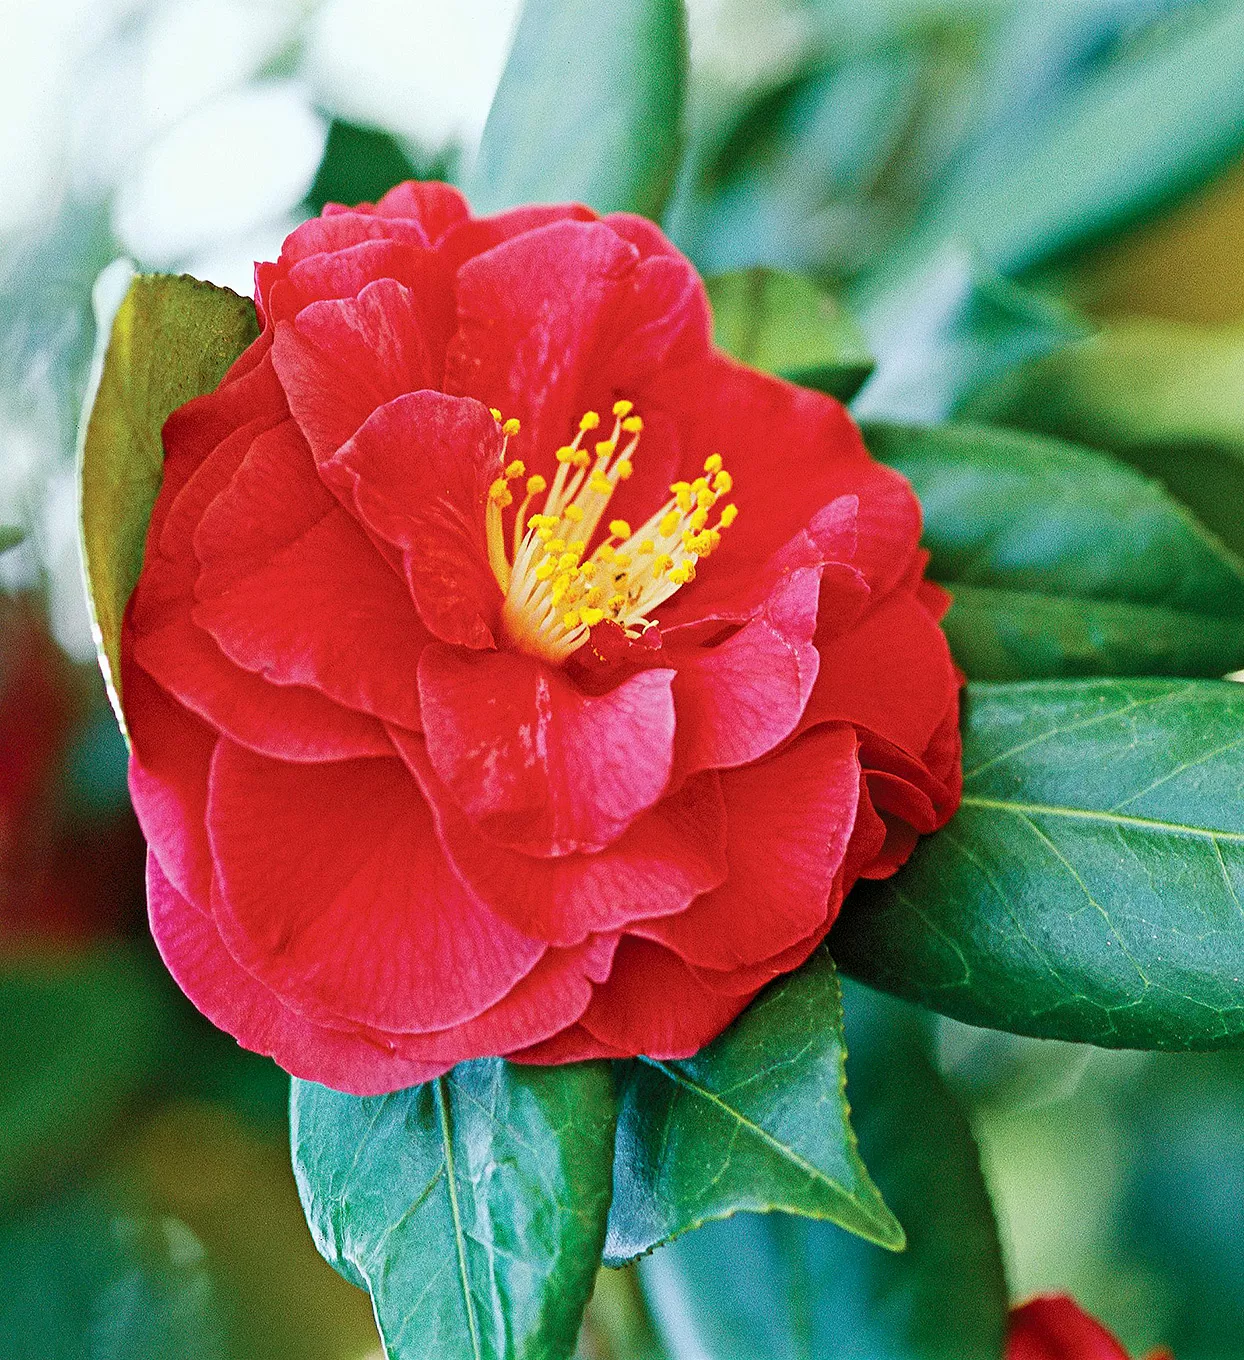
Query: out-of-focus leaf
[[756, 1121], [775, 1287], [10, 536], [1154, 123], [786, 325], [1064, 561], [1089, 887], [79, 1036], [360, 164], [172, 339], [195, 1163], [472, 1208], [83, 1277], [955, 329], [589, 108], [1167, 397]]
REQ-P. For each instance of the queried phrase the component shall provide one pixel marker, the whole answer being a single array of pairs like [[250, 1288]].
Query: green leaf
[[360, 165], [172, 339], [950, 331], [774, 1287], [472, 1208], [1090, 886], [758, 1120], [785, 324], [10, 536], [1154, 123], [1163, 395], [1063, 561], [79, 1036], [589, 108]]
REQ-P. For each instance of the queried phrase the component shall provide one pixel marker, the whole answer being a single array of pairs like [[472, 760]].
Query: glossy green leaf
[[775, 1287], [85, 1278], [1064, 561], [758, 1121], [589, 108], [472, 1207], [1165, 396], [172, 339], [1154, 123], [785, 324], [80, 1034], [1090, 886]]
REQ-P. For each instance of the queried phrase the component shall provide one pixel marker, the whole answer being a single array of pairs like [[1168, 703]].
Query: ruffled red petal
[[537, 765]]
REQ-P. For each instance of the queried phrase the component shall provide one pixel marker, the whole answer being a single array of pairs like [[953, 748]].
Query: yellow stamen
[[589, 420], [619, 528], [623, 407], [511, 427]]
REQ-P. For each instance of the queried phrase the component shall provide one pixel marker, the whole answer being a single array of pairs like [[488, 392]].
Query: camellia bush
[[584, 676]]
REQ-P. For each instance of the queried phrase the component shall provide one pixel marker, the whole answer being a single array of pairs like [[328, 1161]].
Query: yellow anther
[[576, 546], [647, 546], [699, 519], [546, 569], [515, 469], [535, 485], [499, 493], [588, 570], [676, 487], [616, 603], [701, 544], [704, 498], [723, 483], [622, 560], [496, 415], [713, 463], [728, 516], [700, 484], [555, 545], [623, 407], [669, 523], [682, 574], [581, 459], [565, 454], [633, 424], [619, 528], [601, 484], [567, 561], [624, 469], [589, 420], [605, 553], [683, 498], [570, 619], [593, 597], [605, 448], [574, 513], [511, 427], [662, 563], [591, 616]]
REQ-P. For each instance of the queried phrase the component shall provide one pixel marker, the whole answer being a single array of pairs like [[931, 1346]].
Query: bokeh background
[[979, 182]]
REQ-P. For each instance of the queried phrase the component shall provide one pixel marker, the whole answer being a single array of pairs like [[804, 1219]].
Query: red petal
[[291, 587], [335, 893], [573, 1044], [891, 674], [789, 819], [537, 765], [233, 1000], [340, 360], [665, 857], [478, 234], [419, 472], [736, 701], [653, 1003], [1054, 1327], [437, 207]]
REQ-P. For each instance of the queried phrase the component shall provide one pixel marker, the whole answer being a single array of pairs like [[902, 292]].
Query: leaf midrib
[[459, 1242], [1096, 815]]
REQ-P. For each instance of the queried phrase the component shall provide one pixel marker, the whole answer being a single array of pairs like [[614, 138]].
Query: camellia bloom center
[[554, 594]]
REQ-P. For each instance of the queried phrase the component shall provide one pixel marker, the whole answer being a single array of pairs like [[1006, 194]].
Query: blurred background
[[985, 186]]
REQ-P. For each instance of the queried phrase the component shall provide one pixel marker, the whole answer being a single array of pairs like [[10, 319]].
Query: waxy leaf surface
[[173, 338], [1090, 887], [589, 108], [757, 1120], [776, 1287], [1064, 561], [472, 1208]]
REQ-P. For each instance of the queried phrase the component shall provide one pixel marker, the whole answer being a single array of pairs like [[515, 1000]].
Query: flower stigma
[[554, 593]]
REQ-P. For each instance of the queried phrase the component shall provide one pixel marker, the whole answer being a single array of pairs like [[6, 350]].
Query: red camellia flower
[[1055, 1327], [510, 672]]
